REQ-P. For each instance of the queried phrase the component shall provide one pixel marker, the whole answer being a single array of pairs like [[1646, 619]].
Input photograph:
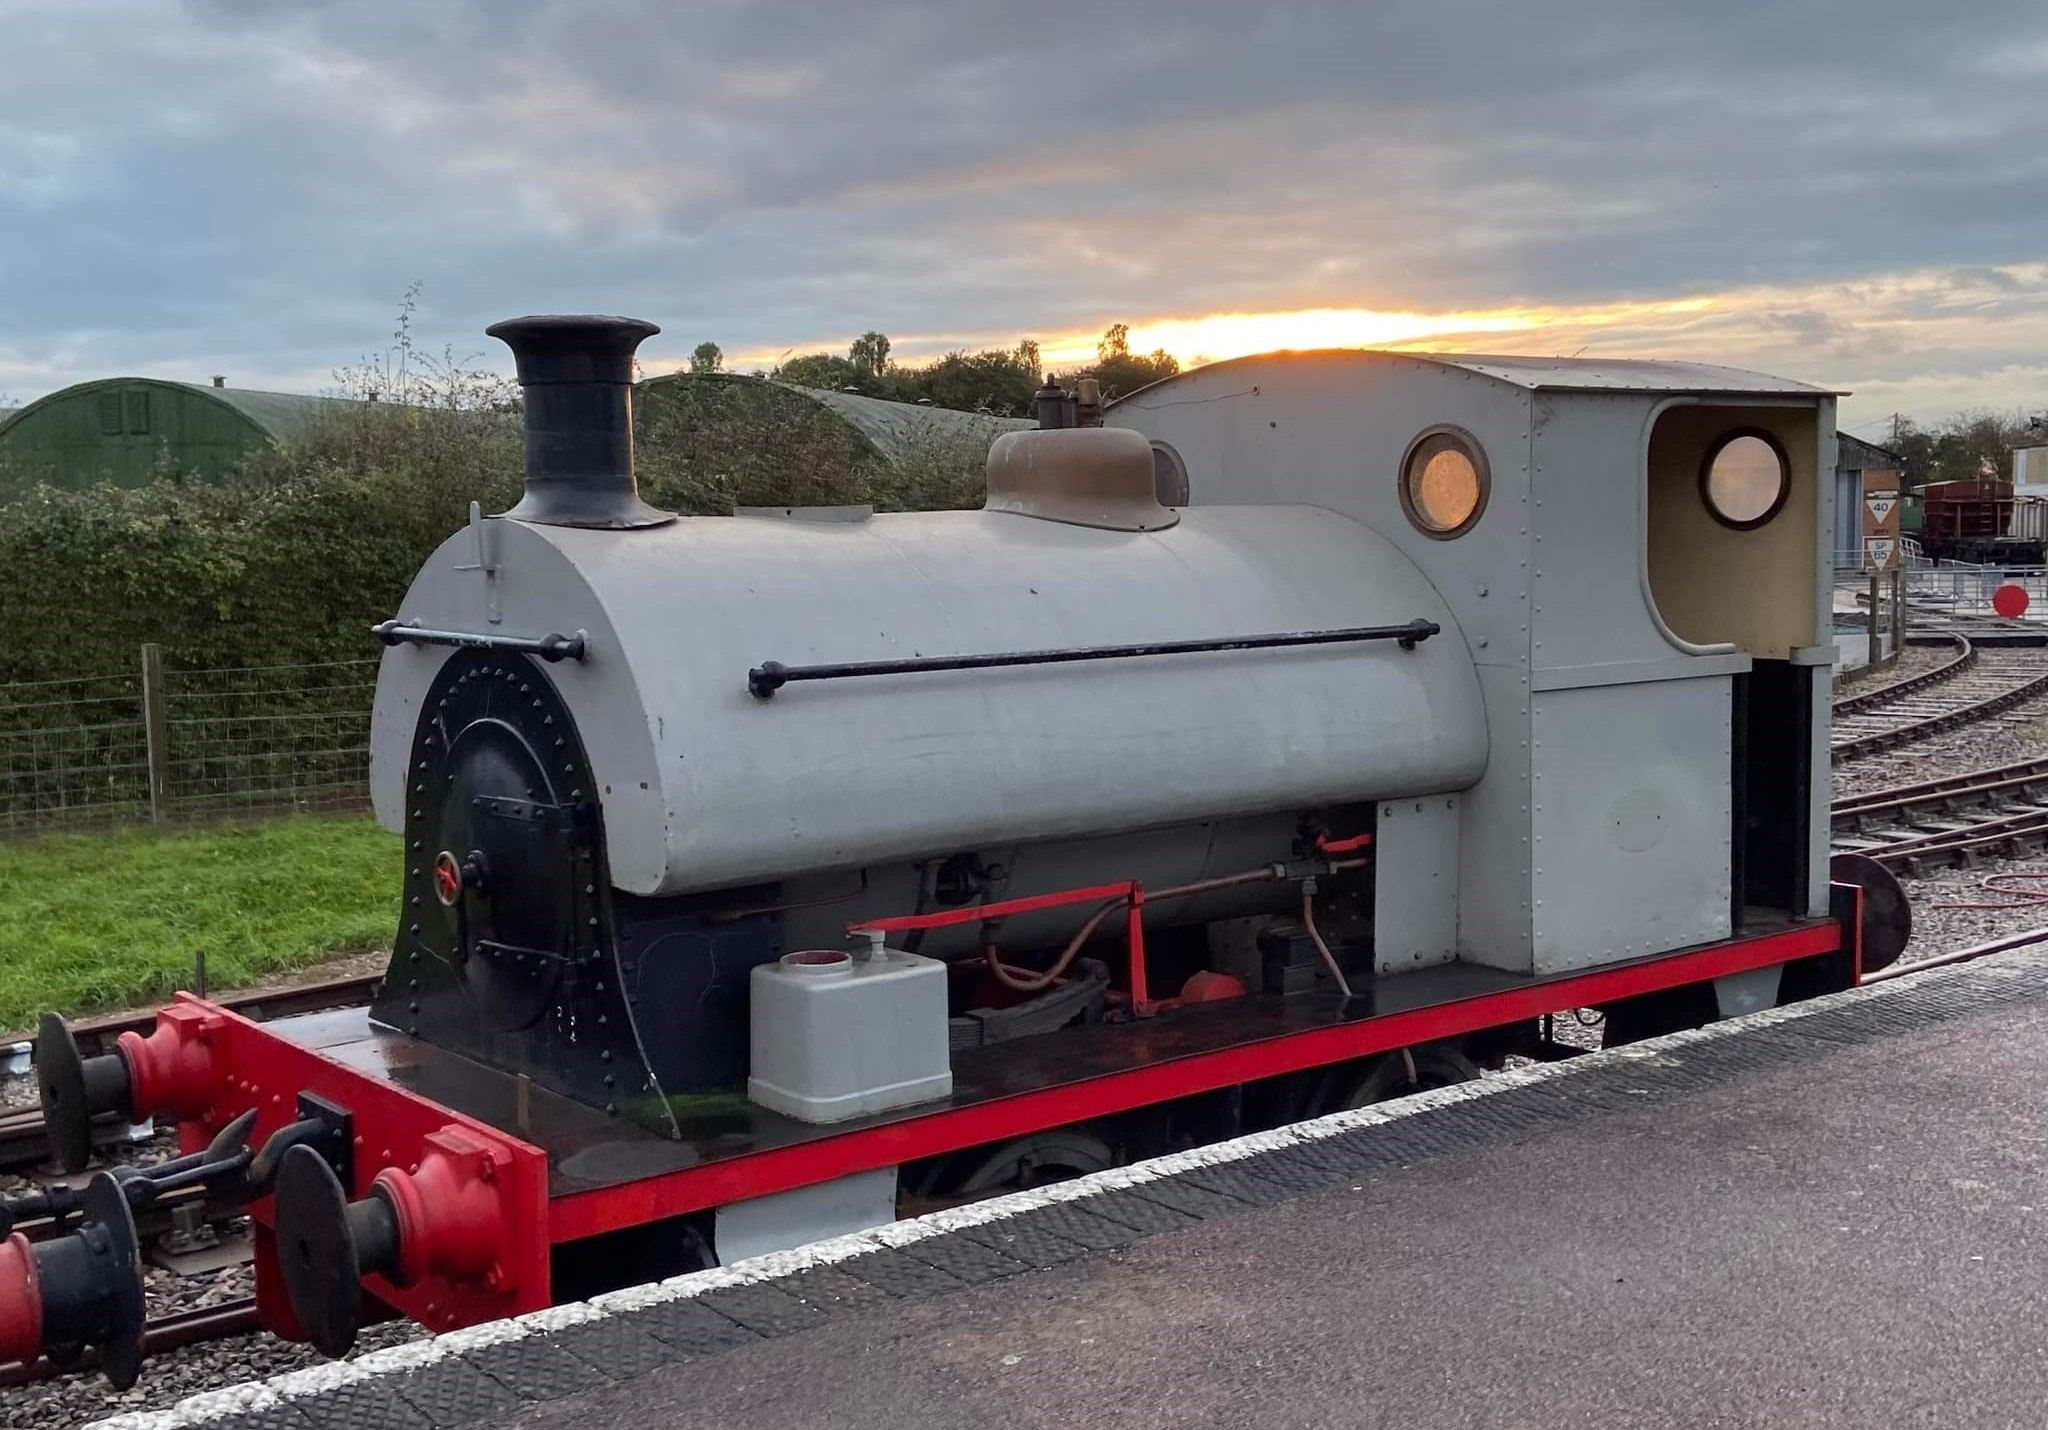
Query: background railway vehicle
[[1980, 521], [769, 877]]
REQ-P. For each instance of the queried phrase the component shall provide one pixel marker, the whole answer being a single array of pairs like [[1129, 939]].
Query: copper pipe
[[1308, 922], [1266, 874], [1037, 982], [1034, 983]]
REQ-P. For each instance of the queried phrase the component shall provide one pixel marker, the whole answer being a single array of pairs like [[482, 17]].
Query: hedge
[[293, 558]]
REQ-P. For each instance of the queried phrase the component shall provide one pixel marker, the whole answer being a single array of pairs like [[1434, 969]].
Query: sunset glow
[[1226, 335]]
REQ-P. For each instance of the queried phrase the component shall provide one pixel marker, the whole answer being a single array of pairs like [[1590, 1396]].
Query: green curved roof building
[[708, 442], [120, 429]]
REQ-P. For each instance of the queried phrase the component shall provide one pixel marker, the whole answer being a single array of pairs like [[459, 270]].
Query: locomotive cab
[[1641, 578]]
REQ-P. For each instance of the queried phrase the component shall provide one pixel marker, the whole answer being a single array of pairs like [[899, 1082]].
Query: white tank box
[[837, 1035]]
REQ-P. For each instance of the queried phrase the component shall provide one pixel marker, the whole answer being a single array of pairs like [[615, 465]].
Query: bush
[[291, 560]]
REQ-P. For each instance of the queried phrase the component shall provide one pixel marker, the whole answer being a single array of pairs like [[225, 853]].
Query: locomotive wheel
[[1436, 1065], [1033, 1161]]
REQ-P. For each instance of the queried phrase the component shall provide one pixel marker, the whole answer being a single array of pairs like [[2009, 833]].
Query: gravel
[[2020, 733], [169, 1378], [74, 1399], [1937, 929], [1913, 660]]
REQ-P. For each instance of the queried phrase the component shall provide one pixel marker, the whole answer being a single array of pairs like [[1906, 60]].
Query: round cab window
[[1444, 482], [1745, 479]]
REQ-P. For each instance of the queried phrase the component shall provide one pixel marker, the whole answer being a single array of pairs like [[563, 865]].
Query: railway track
[[1954, 819], [1965, 656], [1975, 686], [98, 1035], [159, 1334], [23, 1140]]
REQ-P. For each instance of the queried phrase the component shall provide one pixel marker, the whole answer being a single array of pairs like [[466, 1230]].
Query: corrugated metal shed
[[1853, 454], [895, 429], [896, 432], [282, 414], [121, 429]]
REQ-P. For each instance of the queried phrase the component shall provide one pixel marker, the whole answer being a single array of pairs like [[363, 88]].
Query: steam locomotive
[[1282, 737]]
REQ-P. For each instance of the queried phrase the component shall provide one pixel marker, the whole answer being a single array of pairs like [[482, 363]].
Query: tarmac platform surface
[[1823, 1215]]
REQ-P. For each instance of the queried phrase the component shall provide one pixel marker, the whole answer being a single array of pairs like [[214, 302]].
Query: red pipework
[[1132, 892], [174, 1069], [1134, 931], [21, 1302], [1326, 845], [984, 913], [451, 1221]]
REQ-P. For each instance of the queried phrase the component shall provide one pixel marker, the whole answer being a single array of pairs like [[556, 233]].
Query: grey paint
[[1740, 993], [1550, 588], [1630, 816], [703, 786], [1415, 883], [806, 1214]]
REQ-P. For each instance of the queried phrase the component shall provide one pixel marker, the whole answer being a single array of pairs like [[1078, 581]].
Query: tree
[[1120, 371], [870, 353], [706, 357], [1026, 357], [993, 382], [1961, 446], [819, 370]]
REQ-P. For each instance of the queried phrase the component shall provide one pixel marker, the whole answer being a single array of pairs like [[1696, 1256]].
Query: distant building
[[710, 441], [2030, 471], [1860, 467], [895, 432], [120, 429]]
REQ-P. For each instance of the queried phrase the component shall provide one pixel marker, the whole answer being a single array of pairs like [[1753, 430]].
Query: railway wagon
[[768, 878], [1979, 520]]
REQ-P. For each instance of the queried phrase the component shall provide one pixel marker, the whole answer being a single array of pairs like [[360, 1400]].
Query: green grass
[[91, 921]]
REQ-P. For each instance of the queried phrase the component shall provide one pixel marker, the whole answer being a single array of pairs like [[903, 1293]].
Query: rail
[[771, 675]]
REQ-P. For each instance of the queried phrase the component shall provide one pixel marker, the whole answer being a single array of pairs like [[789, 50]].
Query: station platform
[[1831, 1214]]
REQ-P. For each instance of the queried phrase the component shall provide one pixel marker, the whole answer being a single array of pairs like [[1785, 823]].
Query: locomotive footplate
[[604, 1173], [461, 1183]]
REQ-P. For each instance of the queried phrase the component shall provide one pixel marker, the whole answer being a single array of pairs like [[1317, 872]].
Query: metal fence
[[1960, 588], [157, 744]]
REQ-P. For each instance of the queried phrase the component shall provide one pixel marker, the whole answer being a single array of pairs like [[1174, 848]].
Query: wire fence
[[161, 744]]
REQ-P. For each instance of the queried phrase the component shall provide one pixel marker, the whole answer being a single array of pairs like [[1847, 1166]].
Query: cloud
[[226, 185]]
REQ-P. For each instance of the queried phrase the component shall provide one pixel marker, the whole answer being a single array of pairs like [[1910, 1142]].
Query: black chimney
[[577, 375]]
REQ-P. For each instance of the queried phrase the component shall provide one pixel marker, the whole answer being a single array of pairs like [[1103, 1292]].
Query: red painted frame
[[260, 1069], [691, 1189]]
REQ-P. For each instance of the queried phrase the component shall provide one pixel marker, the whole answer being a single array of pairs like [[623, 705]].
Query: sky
[[1847, 193]]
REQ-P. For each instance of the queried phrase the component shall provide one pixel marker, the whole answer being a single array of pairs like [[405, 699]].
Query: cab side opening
[[1734, 512]]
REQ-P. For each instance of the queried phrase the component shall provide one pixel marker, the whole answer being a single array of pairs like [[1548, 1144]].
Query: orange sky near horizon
[[1843, 335]]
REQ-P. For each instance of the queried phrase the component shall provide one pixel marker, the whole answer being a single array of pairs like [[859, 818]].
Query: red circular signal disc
[[447, 878], [2010, 601]]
